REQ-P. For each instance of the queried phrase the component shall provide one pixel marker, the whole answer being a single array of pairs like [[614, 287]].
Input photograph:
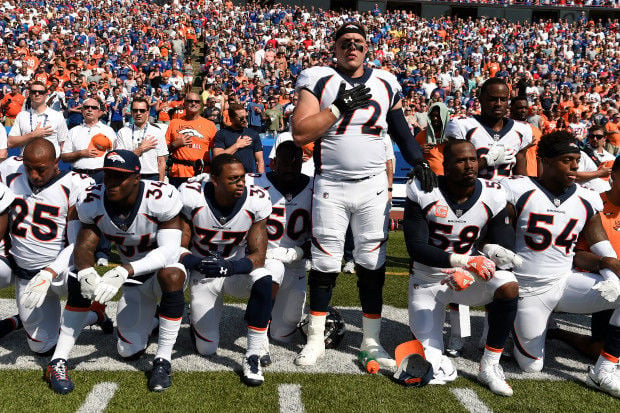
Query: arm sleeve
[[500, 231], [166, 253], [415, 228], [401, 134]]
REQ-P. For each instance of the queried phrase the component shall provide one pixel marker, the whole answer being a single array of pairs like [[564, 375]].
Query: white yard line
[[470, 401], [290, 398], [98, 398]]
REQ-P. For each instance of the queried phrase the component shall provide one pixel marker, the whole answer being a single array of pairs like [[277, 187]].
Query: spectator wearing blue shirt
[[255, 113], [240, 141], [117, 102]]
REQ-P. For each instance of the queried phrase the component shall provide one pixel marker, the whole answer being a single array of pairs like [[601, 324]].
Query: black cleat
[[160, 378], [57, 376]]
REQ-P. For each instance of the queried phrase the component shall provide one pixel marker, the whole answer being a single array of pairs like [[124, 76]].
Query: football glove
[[199, 178], [36, 289], [424, 174], [285, 255], [110, 283], [352, 99], [458, 279], [477, 264], [502, 257], [609, 288], [214, 267], [89, 280], [499, 155]]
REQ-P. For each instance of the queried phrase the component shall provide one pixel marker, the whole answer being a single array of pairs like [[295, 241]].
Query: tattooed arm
[[87, 240]]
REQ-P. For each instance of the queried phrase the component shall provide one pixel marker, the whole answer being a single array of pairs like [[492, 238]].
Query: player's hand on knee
[[457, 279], [110, 283], [609, 288], [352, 99], [499, 155], [285, 255], [36, 289], [89, 280], [502, 257], [423, 172], [481, 266], [214, 267]]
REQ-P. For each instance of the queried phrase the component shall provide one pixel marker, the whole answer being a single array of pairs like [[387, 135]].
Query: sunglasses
[[192, 101], [139, 110], [37, 92], [91, 107], [597, 136], [346, 45]]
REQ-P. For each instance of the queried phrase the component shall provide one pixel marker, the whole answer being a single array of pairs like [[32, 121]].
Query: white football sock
[[168, 332], [256, 341], [490, 358], [73, 323]]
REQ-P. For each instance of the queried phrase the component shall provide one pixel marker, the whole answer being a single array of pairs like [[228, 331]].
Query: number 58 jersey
[[135, 234], [288, 225], [353, 147], [217, 231], [455, 228], [547, 228]]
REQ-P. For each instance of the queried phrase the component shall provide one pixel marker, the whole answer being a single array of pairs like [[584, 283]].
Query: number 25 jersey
[[455, 228], [547, 228], [222, 232], [353, 147]]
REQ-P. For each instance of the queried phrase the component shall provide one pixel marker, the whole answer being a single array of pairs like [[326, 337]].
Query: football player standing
[[142, 219], [345, 111], [444, 237], [550, 212]]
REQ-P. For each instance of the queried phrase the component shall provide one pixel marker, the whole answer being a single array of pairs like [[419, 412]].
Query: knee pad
[[258, 311], [129, 344], [276, 269], [203, 345], [322, 280]]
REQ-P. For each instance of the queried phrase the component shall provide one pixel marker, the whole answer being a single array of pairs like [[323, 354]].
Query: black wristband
[[390, 189]]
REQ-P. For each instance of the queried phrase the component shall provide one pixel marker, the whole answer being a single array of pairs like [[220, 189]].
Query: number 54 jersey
[[135, 234], [452, 227], [547, 228], [223, 232]]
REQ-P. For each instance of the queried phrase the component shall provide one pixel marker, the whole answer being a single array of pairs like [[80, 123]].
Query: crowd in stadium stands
[[575, 3], [116, 51]]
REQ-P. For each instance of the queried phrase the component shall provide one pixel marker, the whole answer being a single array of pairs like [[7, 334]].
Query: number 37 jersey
[[353, 147], [547, 228], [455, 228], [222, 232]]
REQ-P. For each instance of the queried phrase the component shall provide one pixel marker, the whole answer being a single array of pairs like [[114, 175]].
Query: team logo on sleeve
[[441, 211]]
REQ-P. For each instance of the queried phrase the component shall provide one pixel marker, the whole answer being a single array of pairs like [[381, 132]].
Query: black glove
[[349, 100], [214, 267], [424, 174]]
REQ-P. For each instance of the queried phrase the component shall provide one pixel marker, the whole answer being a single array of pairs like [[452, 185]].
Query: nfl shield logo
[[459, 212], [222, 220], [288, 197], [556, 202], [496, 137], [325, 195]]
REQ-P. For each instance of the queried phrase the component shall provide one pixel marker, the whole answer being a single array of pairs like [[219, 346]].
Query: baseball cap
[[101, 143], [122, 160]]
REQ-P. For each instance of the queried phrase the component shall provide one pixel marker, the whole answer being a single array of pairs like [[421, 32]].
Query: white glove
[[36, 289], [89, 280], [609, 289], [499, 155], [110, 284], [503, 257], [199, 178], [285, 255]]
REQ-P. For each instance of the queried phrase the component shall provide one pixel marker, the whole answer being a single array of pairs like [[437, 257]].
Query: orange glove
[[481, 266], [458, 279]]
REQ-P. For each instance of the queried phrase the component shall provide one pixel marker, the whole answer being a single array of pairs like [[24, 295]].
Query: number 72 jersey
[[547, 228]]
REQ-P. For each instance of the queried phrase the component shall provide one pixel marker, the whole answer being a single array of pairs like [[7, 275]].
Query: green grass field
[[222, 391]]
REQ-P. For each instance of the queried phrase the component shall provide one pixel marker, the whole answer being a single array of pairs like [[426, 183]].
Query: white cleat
[[252, 372], [310, 354], [102, 262], [446, 372], [377, 352], [605, 380], [493, 377], [349, 267]]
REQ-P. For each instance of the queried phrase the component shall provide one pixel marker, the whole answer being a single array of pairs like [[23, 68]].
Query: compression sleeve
[[401, 134], [499, 231], [166, 253], [415, 228]]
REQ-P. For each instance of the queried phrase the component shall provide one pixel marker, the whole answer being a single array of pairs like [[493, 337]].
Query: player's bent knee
[[172, 277], [41, 346], [129, 345], [508, 290], [326, 264], [276, 269], [528, 364], [206, 348]]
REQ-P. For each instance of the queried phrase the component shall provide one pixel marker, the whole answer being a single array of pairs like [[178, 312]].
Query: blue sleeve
[[258, 145], [218, 140], [415, 228]]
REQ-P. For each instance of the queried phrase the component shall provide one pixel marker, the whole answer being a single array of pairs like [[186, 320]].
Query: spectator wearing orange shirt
[[11, 104], [612, 132], [432, 138], [189, 140], [519, 110]]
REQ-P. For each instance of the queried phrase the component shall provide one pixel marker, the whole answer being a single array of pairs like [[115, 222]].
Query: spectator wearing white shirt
[[87, 143], [38, 120], [146, 140]]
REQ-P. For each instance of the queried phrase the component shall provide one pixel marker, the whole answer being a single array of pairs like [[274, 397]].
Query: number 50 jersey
[[215, 231], [547, 228], [455, 228], [353, 147]]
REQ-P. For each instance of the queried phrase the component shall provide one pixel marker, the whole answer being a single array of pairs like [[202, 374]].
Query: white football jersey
[[547, 228], [211, 229], [353, 147], [9, 166], [289, 224], [515, 135], [6, 199], [38, 218], [455, 228], [135, 234]]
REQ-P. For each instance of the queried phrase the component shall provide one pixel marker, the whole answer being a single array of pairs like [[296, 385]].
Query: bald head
[[40, 149]]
